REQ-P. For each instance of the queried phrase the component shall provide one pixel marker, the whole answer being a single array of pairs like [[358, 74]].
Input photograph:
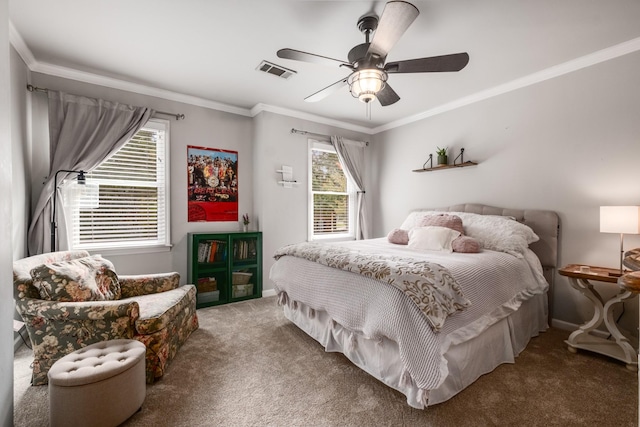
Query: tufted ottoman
[[101, 384]]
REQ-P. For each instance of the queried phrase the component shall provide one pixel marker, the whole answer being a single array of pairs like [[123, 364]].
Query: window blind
[[330, 196], [132, 198]]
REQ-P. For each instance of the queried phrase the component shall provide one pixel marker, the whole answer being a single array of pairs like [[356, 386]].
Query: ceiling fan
[[368, 80]]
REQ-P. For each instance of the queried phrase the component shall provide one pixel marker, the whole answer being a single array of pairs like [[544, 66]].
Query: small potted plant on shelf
[[442, 156], [245, 222]]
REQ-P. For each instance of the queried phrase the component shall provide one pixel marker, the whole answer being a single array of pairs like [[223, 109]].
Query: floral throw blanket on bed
[[429, 285]]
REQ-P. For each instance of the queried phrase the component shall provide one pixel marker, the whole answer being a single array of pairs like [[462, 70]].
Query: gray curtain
[[82, 133], [351, 155]]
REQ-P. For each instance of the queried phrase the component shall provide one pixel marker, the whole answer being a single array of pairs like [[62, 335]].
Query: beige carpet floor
[[248, 365]]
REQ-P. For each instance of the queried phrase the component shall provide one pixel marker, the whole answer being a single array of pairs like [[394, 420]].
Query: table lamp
[[620, 219]]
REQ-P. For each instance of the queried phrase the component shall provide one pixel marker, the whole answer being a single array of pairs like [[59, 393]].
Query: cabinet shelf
[[217, 263], [247, 263], [210, 265], [442, 167]]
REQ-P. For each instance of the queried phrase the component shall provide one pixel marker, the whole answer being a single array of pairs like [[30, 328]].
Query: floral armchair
[[62, 316]]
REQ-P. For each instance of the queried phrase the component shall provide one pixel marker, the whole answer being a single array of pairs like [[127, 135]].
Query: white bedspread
[[429, 285], [496, 283]]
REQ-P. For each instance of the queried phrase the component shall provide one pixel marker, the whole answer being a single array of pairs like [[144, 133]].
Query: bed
[[496, 301]]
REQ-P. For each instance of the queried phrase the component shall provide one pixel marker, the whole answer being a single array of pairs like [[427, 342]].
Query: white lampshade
[[83, 196], [620, 219]]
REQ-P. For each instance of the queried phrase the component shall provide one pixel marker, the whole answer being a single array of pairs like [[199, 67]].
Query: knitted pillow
[[453, 222], [466, 244], [398, 236], [90, 278]]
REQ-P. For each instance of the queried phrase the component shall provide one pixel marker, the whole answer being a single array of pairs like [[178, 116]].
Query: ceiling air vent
[[274, 69]]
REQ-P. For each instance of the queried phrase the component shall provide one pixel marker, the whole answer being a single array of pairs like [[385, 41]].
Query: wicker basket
[[240, 278], [207, 284]]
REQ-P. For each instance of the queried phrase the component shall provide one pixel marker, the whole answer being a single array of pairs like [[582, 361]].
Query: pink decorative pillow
[[466, 244], [398, 236], [453, 222]]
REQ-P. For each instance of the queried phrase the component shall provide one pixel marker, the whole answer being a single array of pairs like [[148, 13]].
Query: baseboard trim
[[268, 293]]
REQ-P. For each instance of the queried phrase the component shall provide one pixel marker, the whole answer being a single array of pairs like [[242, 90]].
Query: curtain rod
[[317, 135], [32, 88]]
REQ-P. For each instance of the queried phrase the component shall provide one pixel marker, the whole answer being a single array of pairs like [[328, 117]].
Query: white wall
[[6, 249], [21, 153], [282, 212], [201, 127], [570, 144], [20, 162]]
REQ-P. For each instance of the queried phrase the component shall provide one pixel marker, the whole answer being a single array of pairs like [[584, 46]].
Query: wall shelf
[[441, 167], [287, 180]]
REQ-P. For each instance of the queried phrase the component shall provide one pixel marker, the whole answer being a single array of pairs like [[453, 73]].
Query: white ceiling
[[210, 49]]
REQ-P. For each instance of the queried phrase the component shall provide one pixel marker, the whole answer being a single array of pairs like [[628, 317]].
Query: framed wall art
[[212, 180]]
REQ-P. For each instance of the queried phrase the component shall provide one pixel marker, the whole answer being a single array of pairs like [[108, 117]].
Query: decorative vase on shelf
[[442, 156], [245, 222]]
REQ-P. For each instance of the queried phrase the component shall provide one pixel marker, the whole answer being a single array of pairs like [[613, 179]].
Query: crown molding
[[45, 68], [585, 61], [114, 83], [259, 108], [69, 73], [20, 46]]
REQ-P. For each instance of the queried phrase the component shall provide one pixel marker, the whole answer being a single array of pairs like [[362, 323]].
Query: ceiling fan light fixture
[[365, 84]]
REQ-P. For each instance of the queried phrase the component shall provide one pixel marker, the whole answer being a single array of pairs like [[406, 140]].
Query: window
[[331, 195], [134, 205]]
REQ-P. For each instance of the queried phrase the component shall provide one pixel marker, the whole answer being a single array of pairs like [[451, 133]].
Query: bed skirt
[[499, 343]]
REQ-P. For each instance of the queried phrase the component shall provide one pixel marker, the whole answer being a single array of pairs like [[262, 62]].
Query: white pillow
[[499, 233], [432, 238]]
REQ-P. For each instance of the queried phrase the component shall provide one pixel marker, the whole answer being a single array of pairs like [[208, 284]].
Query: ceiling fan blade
[[323, 93], [387, 96], [298, 55], [396, 17], [433, 64]]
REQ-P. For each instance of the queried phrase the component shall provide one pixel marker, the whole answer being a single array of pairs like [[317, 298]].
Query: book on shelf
[[212, 251], [244, 249]]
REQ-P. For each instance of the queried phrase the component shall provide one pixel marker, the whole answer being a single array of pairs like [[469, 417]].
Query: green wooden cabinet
[[225, 267]]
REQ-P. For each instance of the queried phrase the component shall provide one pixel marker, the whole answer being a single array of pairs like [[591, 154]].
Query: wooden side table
[[621, 348], [630, 282]]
